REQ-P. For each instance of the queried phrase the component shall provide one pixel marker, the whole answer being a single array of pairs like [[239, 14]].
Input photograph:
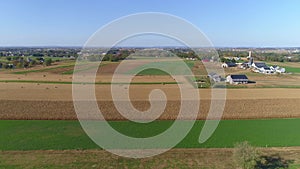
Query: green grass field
[[292, 69], [43, 70], [172, 67], [152, 71], [60, 135]]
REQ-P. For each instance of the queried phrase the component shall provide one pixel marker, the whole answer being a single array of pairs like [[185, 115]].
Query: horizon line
[[78, 46]]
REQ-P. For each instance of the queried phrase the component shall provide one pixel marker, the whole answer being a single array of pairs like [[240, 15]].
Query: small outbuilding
[[214, 77]]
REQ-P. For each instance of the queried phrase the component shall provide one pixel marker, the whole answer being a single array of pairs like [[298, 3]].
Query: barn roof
[[261, 65], [231, 64], [239, 77]]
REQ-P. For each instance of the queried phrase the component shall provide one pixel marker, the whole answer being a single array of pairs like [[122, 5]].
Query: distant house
[[190, 59], [267, 70], [261, 67], [228, 64], [277, 69], [245, 65], [41, 60], [237, 79], [10, 66]]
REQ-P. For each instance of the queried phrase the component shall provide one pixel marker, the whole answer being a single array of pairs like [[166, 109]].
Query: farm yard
[[39, 126]]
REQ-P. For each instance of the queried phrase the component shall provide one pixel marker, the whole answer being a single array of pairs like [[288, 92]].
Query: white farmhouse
[[261, 67], [277, 69]]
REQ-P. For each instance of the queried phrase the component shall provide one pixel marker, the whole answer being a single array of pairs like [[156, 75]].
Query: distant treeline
[[40, 52], [117, 54], [263, 56]]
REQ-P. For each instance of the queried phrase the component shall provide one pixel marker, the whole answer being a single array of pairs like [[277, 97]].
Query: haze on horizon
[[227, 24]]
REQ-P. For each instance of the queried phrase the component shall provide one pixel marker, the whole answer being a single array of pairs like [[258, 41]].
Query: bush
[[20, 65], [48, 62], [245, 156], [272, 161]]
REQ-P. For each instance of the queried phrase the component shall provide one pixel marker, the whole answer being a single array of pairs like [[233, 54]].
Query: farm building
[[214, 77], [261, 67], [228, 64], [266, 70], [237, 79], [277, 69]]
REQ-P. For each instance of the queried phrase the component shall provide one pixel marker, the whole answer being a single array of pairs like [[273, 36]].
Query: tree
[[48, 62], [233, 60], [32, 63], [245, 155], [224, 59], [272, 161], [20, 65]]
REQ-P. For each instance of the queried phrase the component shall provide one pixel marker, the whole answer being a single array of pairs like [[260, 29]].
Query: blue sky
[[268, 23]]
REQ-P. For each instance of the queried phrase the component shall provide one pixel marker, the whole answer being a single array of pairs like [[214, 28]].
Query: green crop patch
[[164, 68], [292, 69], [59, 135]]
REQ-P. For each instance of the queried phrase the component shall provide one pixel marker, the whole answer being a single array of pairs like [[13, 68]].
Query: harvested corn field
[[28, 101]]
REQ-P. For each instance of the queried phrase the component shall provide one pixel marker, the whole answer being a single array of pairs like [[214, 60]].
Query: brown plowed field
[[54, 101], [234, 109]]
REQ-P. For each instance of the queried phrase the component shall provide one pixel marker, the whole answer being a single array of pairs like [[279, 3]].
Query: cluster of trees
[[117, 54], [264, 56], [227, 60], [276, 57], [185, 53], [113, 55], [121, 54], [24, 62], [233, 53], [248, 157]]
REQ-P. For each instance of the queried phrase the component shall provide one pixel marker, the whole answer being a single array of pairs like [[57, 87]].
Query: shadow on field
[[273, 161]]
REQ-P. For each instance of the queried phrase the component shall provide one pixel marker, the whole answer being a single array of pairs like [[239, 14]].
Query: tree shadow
[[272, 162]]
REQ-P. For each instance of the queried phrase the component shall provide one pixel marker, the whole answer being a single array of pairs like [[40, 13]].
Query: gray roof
[[231, 64], [261, 65]]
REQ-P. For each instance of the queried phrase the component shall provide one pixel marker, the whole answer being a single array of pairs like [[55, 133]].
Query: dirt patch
[[175, 158]]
